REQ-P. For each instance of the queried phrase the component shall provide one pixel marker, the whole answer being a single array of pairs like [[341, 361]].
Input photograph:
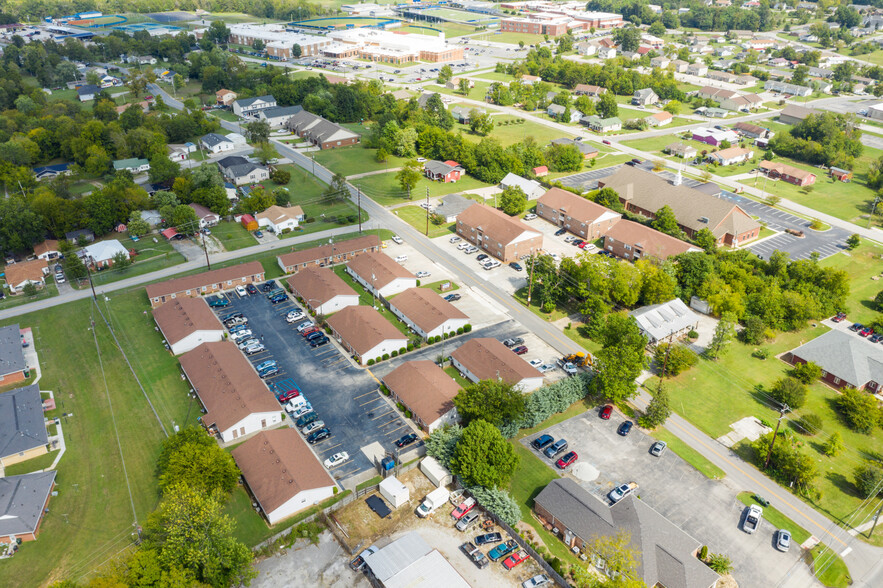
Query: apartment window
[[628, 247], [836, 380], [229, 282], [824, 374]]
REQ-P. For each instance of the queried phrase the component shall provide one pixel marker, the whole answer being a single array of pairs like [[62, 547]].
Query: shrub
[[370, 362], [834, 445], [868, 478], [410, 346], [761, 353], [407, 414], [418, 283], [703, 553], [806, 372], [680, 358], [402, 350], [459, 330], [789, 391], [810, 424], [692, 334], [858, 409], [444, 336], [400, 406], [467, 327], [394, 354], [385, 356]]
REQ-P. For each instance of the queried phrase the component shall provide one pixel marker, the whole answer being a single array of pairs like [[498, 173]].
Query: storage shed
[[394, 491], [248, 222], [436, 472]]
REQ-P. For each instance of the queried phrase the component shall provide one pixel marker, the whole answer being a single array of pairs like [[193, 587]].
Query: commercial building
[[206, 283], [715, 137], [327, 254], [237, 402], [278, 41], [282, 474], [22, 425], [23, 502], [630, 240], [409, 562], [362, 331], [846, 359], [380, 274], [320, 132], [186, 323], [426, 391], [391, 47], [578, 215], [483, 358], [427, 314], [497, 233], [665, 321], [322, 291]]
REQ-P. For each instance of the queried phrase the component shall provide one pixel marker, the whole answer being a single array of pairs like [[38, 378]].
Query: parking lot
[[706, 509], [362, 421]]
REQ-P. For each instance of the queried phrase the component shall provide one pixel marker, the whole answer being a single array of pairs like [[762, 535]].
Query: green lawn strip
[[416, 217], [689, 455], [385, 190], [652, 144], [835, 574], [138, 268], [373, 481], [48, 291], [452, 371], [478, 92], [355, 160], [576, 334], [521, 296], [365, 297], [608, 160], [861, 264], [31, 465], [437, 286], [765, 232], [507, 130], [232, 235]]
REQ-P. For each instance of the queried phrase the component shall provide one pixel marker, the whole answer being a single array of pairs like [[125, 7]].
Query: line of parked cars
[[236, 324], [860, 329], [552, 448]]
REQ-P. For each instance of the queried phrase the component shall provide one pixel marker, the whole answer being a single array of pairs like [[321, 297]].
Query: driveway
[[706, 509], [344, 396]]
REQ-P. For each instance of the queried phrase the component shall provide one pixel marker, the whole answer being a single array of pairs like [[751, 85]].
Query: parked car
[[454, 240], [520, 350], [546, 367], [513, 342], [59, 278], [560, 232], [502, 550], [315, 425], [319, 435], [304, 326], [658, 448], [529, 216], [423, 274], [314, 335], [783, 540], [490, 264], [251, 289], [406, 440], [463, 508], [286, 395], [248, 343], [294, 315], [397, 240], [555, 448], [475, 554], [254, 348], [306, 419], [866, 331], [279, 298], [463, 245], [488, 538], [542, 442], [567, 460], [241, 291], [468, 521], [752, 519], [621, 492], [515, 559], [470, 250], [269, 372], [452, 297], [876, 338], [265, 364], [625, 428], [268, 286], [568, 367], [838, 318], [537, 581], [855, 327], [299, 411], [258, 234], [606, 411], [516, 266], [218, 302], [319, 342]]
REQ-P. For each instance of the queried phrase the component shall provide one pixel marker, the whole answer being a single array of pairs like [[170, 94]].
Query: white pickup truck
[[752, 519]]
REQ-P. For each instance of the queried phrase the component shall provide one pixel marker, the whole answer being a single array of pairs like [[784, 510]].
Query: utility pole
[[359, 200], [91, 285], [205, 249], [530, 282], [876, 518], [873, 210], [427, 211], [785, 408]]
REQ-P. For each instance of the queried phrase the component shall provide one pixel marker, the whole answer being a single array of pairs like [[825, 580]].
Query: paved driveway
[[344, 396], [706, 509]]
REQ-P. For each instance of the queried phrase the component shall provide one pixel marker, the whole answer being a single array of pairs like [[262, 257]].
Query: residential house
[[665, 555], [463, 114], [697, 69], [542, 171], [846, 360], [282, 473], [225, 97], [484, 358], [715, 137], [843, 175], [101, 253], [730, 156], [133, 165], [18, 275], [586, 49], [645, 97], [632, 241], [322, 290], [22, 425], [206, 217], [380, 275], [280, 219], [530, 80], [453, 204], [251, 106], [589, 90], [642, 192], [13, 365], [206, 283], [659, 119], [793, 114], [742, 103], [679, 66], [215, 143], [681, 150], [85, 235], [321, 132], [713, 93], [504, 237], [364, 333], [667, 321], [531, 188], [237, 402], [442, 171], [428, 314], [752, 131], [47, 249], [788, 173], [721, 76], [325, 255], [660, 61], [588, 152], [180, 152], [454, 83], [786, 88], [712, 112], [88, 92], [240, 170], [48, 172], [24, 500], [578, 215], [425, 390], [602, 125], [557, 111], [605, 52], [278, 116], [186, 323]]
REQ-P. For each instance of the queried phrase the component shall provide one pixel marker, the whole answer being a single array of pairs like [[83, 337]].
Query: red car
[[866, 331], [583, 244], [464, 508], [606, 412], [839, 318], [520, 350], [287, 395], [515, 559], [568, 460], [606, 142], [310, 331]]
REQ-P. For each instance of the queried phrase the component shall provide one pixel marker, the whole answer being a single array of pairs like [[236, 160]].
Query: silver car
[[783, 540], [467, 521]]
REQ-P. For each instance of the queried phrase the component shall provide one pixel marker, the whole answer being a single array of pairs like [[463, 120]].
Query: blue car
[[542, 442], [265, 364], [319, 342], [624, 428]]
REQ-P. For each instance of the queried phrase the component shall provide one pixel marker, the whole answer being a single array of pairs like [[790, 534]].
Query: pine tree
[[658, 410]]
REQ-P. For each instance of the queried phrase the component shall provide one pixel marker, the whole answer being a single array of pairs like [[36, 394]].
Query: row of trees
[[825, 138]]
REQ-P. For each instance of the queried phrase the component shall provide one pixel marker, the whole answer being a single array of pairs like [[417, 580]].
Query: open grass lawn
[[225, 115], [365, 298], [48, 291], [90, 521], [875, 57], [689, 455], [478, 92], [384, 188], [232, 235], [354, 160], [455, 373], [152, 256], [512, 38], [416, 217], [608, 160], [861, 264], [657, 144], [508, 131]]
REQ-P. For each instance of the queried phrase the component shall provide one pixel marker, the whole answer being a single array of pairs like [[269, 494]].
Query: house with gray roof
[[668, 320], [321, 132], [645, 97], [12, 358], [557, 111], [23, 500], [251, 106], [452, 205], [665, 555], [87, 92], [22, 427], [277, 116], [531, 188], [240, 170], [846, 360], [602, 125], [216, 143]]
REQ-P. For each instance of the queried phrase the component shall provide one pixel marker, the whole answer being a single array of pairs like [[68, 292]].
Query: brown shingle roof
[[575, 206], [383, 267], [782, 168], [218, 276], [277, 465], [488, 359], [496, 225], [226, 383], [16, 273], [317, 284], [201, 211], [425, 308], [183, 316], [363, 328], [652, 242], [278, 214], [749, 128], [424, 387], [324, 252], [46, 246]]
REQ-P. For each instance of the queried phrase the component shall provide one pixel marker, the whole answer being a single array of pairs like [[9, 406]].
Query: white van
[[402, 258], [433, 500]]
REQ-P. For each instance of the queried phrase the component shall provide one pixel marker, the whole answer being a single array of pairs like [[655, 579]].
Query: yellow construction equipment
[[580, 359]]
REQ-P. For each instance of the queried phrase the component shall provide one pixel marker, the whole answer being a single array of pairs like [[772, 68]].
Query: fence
[[555, 576]]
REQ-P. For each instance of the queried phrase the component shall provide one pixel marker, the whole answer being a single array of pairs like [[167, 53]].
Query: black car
[[560, 232], [624, 428], [855, 327], [278, 299], [482, 257], [319, 435], [267, 286], [488, 538], [406, 440], [319, 342], [516, 266], [315, 335]]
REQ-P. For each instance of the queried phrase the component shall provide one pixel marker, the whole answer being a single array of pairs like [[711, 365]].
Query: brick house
[[329, 254], [425, 390], [788, 173], [580, 216], [442, 171], [847, 360], [206, 283], [632, 241], [497, 233]]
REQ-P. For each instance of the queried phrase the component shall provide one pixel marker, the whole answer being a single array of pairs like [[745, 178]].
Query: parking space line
[[372, 401], [382, 415], [365, 394]]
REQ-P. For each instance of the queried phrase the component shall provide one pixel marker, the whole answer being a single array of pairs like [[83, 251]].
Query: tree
[[723, 334], [498, 502], [463, 86], [381, 155], [192, 458], [680, 358], [445, 74], [513, 201], [258, 45], [657, 28], [834, 445], [163, 169], [177, 82], [442, 442], [121, 261], [869, 479], [480, 122], [673, 107], [629, 38], [858, 409], [609, 198], [258, 131], [621, 358], [878, 300], [483, 457], [755, 330], [706, 239], [20, 226], [666, 222], [29, 290], [807, 372], [799, 75], [184, 219], [853, 241], [409, 176], [337, 190], [280, 176], [789, 391], [720, 563], [189, 531], [658, 410], [493, 401], [137, 226], [218, 32], [607, 106], [74, 268], [296, 50], [620, 562], [265, 152]]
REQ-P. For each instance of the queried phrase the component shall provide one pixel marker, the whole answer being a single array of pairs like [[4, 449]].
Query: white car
[[248, 343], [490, 264], [304, 326], [300, 411], [455, 239], [241, 335], [536, 362], [397, 240], [463, 245], [537, 581], [294, 316], [336, 459], [546, 367], [470, 250], [241, 291], [314, 426], [529, 216], [423, 274]]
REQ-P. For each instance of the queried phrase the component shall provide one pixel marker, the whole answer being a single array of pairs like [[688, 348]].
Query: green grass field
[[355, 160], [343, 22], [513, 132], [861, 264], [385, 190], [232, 235], [416, 217], [689, 455], [151, 257]]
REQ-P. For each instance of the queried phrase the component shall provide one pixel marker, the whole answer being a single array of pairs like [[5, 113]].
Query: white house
[[100, 253], [483, 358], [670, 319], [280, 219], [605, 52], [427, 313], [283, 474], [364, 333], [134, 165], [531, 188], [206, 217], [277, 116], [215, 143], [187, 323], [322, 291], [251, 106], [730, 156], [557, 111], [380, 274]]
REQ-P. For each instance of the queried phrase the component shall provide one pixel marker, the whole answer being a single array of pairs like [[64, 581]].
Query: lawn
[[861, 264], [508, 131], [232, 235], [689, 455], [355, 160], [416, 217], [154, 253], [455, 373], [875, 57], [511, 38], [306, 191], [384, 188], [476, 93], [8, 301], [657, 144]]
